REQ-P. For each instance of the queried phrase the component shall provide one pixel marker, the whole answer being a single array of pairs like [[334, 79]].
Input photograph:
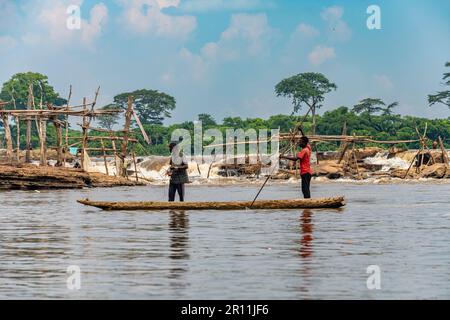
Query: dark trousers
[[173, 189], [306, 183]]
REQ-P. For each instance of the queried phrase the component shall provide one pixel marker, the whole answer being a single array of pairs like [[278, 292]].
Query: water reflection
[[179, 241], [306, 229], [305, 251]]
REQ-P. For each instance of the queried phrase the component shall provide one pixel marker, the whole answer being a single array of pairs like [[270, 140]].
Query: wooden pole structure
[[43, 138], [17, 130], [28, 132], [61, 159], [84, 142], [444, 152], [67, 127], [17, 139], [135, 167], [126, 129], [8, 138], [104, 156]]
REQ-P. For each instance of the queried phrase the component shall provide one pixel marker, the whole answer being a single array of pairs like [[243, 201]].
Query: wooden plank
[[336, 202], [144, 134]]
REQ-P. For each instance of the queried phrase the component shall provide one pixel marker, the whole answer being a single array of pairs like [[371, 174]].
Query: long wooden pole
[[84, 144], [8, 138], [28, 132], [126, 129], [104, 156]]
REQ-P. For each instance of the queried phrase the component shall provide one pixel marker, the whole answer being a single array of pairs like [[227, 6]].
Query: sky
[[224, 57]]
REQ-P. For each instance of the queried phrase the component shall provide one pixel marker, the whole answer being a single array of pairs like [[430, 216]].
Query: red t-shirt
[[305, 157]]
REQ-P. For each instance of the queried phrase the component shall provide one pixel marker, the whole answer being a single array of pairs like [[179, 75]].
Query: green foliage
[[442, 96], [207, 120], [152, 106], [305, 88], [108, 121], [18, 86]]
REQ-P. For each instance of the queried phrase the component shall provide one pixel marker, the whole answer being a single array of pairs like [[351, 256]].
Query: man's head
[[303, 141]]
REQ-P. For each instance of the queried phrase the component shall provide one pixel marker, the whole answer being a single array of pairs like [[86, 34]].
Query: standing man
[[305, 165], [177, 172]]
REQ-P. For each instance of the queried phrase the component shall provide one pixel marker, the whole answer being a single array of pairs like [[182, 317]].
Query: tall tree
[[108, 121], [152, 106], [207, 120], [18, 85], [306, 89], [388, 110], [369, 105], [442, 96]]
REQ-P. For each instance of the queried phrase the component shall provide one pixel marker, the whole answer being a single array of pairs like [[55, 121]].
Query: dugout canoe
[[335, 202]]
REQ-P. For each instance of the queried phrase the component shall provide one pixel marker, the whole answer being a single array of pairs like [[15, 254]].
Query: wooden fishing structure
[[112, 143]]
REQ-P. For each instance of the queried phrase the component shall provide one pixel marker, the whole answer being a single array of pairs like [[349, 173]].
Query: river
[[403, 229]]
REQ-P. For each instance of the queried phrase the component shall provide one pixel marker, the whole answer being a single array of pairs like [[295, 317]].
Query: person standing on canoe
[[177, 172], [304, 156]]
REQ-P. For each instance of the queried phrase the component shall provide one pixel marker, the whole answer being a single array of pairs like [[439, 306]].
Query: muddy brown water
[[255, 254]]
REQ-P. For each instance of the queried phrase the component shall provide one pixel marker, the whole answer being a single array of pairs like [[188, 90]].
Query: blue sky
[[224, 57]]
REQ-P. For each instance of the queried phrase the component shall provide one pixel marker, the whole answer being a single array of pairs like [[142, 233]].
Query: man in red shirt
[[305, 165]]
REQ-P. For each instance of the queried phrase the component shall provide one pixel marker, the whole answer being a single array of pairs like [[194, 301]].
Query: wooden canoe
[[336, 202]]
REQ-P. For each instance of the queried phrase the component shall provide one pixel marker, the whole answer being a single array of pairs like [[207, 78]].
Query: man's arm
[[292, 158]]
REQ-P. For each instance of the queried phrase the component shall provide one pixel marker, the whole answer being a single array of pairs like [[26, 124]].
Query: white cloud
[[338, 28], [320, 54], [145, 16], [383, 82], [7, 43], [53, 17], [248, 34], [306, 30], [216, 5]]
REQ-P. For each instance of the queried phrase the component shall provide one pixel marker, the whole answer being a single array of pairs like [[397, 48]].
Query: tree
[[388, 110], [107, 121], [369, 105], [152, 106], [207, 120], [18, 86], [306, 88], [442, 96]]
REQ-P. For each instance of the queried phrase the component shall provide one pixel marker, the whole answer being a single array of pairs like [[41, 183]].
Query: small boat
[[336, 202]]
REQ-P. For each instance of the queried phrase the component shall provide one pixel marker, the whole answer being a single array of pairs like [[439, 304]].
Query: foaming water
[[252, 254]]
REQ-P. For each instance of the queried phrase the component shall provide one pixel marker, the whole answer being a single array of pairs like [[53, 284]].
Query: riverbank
[[33, 177]]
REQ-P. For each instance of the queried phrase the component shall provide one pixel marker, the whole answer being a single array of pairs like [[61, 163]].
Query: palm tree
[[388, 110]]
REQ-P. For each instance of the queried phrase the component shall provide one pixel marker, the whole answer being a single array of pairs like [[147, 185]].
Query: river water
[[404, 229]]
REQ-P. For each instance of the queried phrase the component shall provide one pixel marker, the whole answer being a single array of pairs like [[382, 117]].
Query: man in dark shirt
[[177, 172]]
